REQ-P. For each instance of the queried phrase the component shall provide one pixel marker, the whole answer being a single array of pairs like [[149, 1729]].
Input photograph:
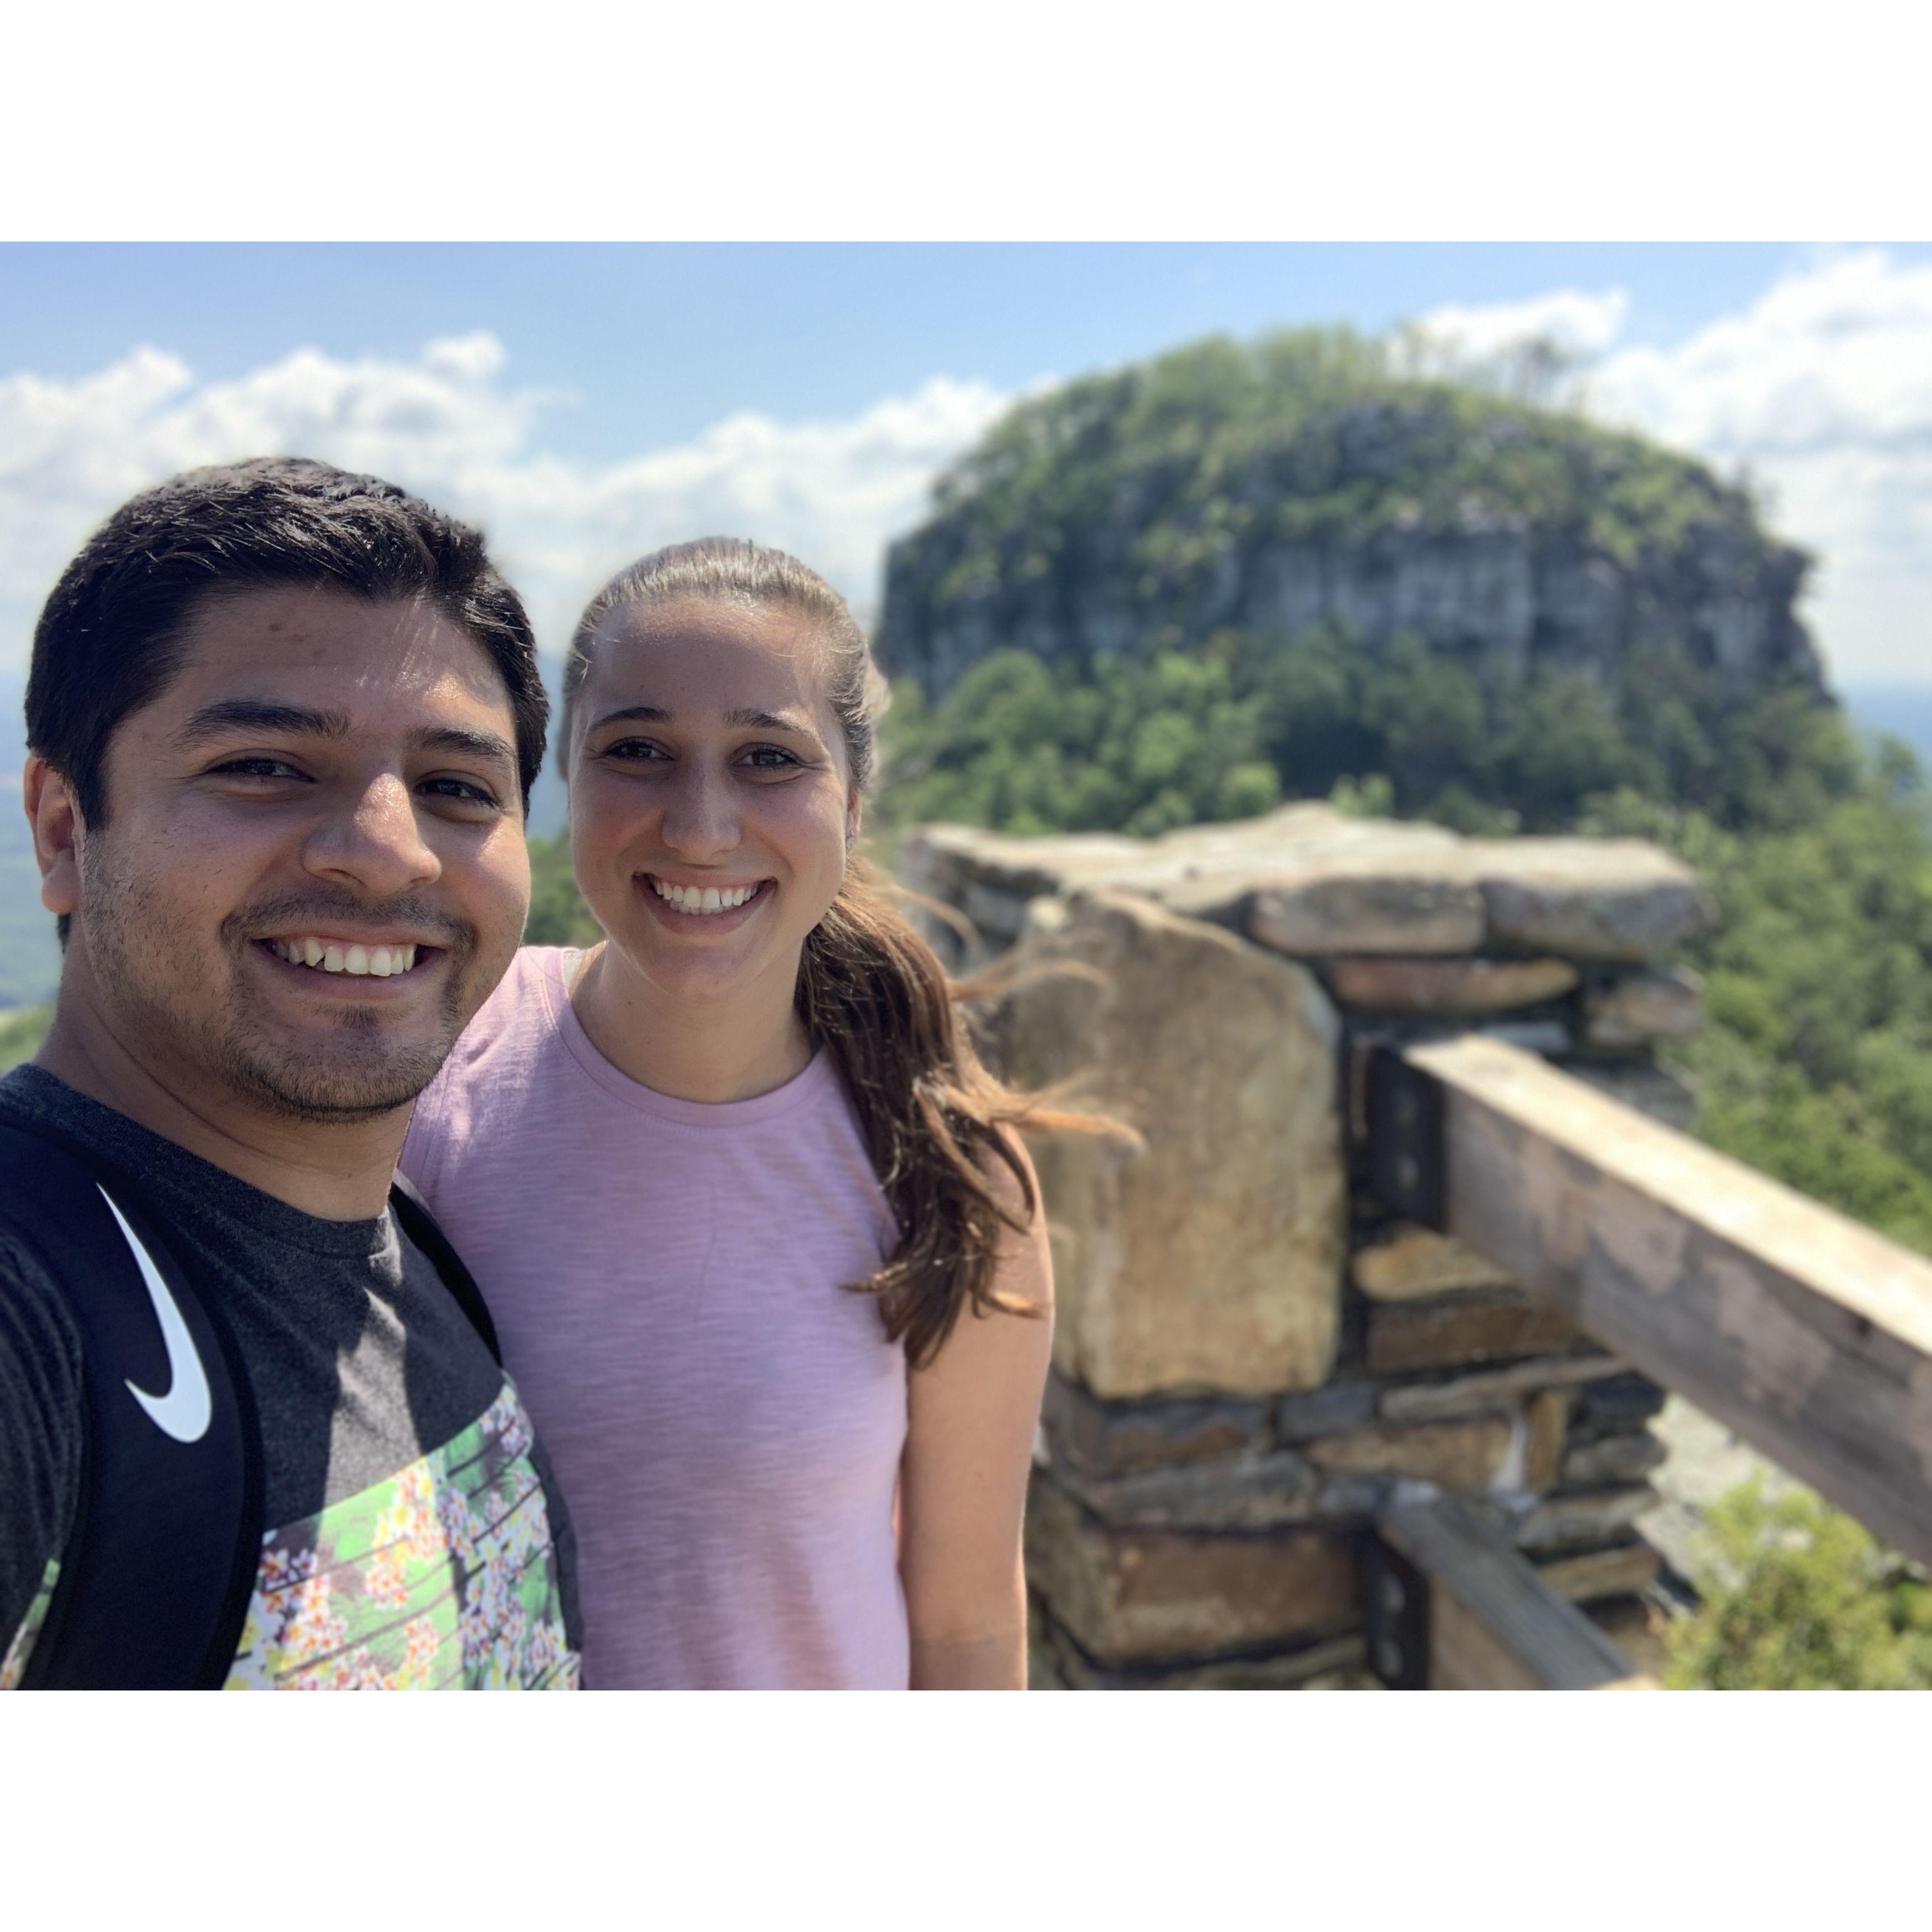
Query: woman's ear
[[854, 812]]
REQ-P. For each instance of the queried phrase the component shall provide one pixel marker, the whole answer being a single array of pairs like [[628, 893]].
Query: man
[[284, 722]]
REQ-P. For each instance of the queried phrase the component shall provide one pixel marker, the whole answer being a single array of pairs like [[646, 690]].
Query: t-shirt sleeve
[[420, 1161], [41, 1419]]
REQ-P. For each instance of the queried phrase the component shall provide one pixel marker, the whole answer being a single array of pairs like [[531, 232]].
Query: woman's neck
[[733, 1048]]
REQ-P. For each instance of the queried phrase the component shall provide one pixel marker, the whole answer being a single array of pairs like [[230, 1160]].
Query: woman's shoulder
[[505, 1037], [523, 1002]]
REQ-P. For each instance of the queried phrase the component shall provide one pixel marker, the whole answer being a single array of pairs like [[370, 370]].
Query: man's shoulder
[[42, 1118], [28, 1095], [37, 1328], [42, 1417], [40, 1335]]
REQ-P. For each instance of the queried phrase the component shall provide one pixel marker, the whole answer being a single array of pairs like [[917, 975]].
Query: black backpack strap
[[419, 1225], [160, 1565]]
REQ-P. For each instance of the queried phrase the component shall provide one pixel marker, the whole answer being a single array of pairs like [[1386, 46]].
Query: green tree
[[558, 915], [21, 1033], [1796, 1596]]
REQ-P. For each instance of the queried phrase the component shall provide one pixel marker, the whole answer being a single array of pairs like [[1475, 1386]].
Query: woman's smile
[[705, 906]]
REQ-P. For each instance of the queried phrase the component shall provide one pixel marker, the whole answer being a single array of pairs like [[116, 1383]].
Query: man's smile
[[378, 960]]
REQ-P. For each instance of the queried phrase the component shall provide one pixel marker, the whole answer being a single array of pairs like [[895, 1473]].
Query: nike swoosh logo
[[185, 1411]]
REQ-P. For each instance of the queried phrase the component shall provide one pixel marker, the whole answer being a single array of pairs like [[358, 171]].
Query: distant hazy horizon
[[1893, 710]]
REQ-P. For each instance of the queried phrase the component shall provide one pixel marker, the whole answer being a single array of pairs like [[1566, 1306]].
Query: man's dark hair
[[113, 632]]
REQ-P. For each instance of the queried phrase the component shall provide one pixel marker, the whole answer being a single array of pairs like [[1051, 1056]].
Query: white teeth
[[702, 899], [375, 962]]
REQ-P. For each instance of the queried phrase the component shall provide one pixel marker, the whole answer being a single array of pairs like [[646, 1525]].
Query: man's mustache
[[408, 918]]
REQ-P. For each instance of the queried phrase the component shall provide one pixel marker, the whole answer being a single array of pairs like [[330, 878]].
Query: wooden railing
[[1453, 1606], [1809, 1335]]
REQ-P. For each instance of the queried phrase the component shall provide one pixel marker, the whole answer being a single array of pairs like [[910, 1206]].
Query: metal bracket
[[1406, 1168], [1397, 1615]]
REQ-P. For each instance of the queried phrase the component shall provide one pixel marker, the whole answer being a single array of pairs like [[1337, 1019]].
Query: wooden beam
[[1494, 1623], [1809, 1335]]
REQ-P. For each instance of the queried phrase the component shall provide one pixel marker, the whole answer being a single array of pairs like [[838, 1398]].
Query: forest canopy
[[1143, 744]]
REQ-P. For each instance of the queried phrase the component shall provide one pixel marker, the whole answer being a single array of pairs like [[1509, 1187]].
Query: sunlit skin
[[319, 767], [704, 752]]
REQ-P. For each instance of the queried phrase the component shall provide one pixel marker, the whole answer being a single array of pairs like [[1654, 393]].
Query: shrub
[[1797, 1596]]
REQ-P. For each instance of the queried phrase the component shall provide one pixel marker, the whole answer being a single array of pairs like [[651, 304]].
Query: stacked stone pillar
[[1251, 1356]]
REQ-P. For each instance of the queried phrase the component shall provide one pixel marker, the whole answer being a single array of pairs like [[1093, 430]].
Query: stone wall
[[1251, 1354]]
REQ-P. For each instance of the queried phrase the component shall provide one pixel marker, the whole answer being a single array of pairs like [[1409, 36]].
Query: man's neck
[[336, 1173]]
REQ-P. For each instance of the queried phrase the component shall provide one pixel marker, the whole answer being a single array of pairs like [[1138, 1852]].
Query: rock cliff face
[[1514, 537]]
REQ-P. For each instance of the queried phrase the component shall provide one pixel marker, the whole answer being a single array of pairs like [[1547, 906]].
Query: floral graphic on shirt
[[443, 1577], [13, 1665]]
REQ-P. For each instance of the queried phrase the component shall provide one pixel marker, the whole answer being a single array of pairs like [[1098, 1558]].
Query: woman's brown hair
[[871, 991]]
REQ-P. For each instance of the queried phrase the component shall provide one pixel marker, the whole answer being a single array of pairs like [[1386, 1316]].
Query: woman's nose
[[700, 819]]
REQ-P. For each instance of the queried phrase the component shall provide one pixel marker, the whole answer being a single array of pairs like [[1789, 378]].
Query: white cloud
[[1576, 323], [451, 424]]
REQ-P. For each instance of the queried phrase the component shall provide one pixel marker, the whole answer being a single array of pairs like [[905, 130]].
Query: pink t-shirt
[[725, 1420]]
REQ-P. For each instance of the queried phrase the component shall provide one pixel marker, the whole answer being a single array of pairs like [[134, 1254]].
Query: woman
[[764, 1250]]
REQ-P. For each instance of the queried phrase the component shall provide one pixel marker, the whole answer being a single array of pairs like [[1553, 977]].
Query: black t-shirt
[[415, 1538]]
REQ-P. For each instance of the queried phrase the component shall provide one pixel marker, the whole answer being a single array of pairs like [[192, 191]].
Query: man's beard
[[355, 1071]]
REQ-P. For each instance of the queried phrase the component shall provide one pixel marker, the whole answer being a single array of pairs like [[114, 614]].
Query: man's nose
[[373, 842], [701, 817]]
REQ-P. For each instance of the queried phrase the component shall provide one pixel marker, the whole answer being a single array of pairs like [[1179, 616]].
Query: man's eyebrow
[[232, 715], [463, 743], [655, 714]]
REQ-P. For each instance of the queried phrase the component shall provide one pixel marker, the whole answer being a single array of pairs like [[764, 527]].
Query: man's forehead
[[323, 646]]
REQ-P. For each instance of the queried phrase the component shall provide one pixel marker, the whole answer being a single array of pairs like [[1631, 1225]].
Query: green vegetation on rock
[[1304, 433], [1242, 572]]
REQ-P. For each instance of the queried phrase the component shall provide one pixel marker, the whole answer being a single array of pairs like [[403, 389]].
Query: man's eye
[[255, 768], [639, 750], [770, 758], [467, 791]]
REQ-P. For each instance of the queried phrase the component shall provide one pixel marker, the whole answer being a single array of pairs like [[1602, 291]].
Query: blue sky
[[586, 402], [658, 340]]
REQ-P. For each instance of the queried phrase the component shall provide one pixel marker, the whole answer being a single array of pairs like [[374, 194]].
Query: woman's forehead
[[714, 655]]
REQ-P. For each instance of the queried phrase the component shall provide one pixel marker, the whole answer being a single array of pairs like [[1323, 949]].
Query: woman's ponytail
[[872, 993]]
